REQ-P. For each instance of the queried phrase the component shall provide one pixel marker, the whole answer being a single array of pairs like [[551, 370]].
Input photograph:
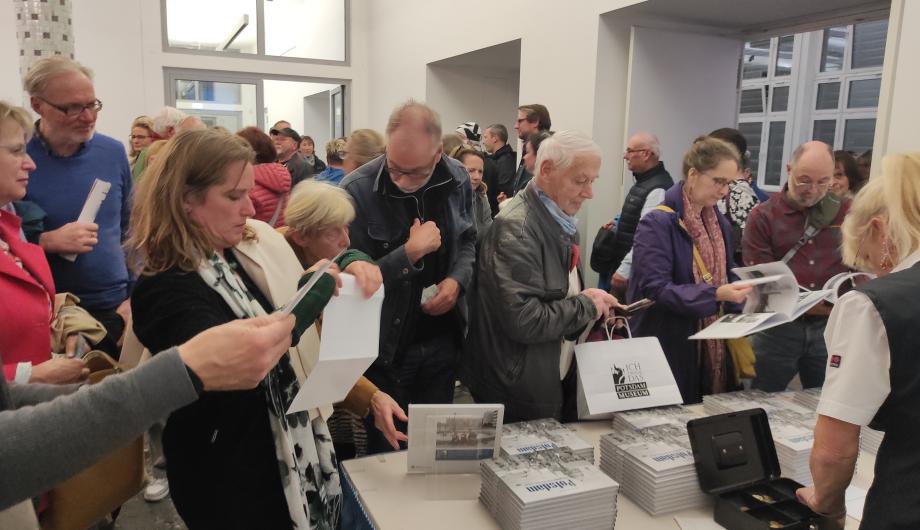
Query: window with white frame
[[821, 85], [312, 30], [768, 73]]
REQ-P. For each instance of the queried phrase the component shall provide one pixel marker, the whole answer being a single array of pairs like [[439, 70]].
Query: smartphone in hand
[[633, 308]]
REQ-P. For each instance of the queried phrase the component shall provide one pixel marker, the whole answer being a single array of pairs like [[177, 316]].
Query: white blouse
[[858, 358]]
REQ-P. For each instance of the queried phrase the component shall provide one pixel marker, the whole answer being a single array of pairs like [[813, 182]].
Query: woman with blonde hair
[[234, 460], [362, 146], [682, 259], [873, 371], [318, 215]]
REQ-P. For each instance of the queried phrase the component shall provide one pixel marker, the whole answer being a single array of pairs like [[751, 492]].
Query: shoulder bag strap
[[281, 199]]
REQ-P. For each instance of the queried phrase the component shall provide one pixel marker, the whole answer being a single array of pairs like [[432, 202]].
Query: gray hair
[[413, 109], [499, 130], [45, 70], [563, 148], [166, 118]]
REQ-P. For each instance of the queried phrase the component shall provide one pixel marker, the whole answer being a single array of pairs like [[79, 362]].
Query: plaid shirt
[[775, 226]]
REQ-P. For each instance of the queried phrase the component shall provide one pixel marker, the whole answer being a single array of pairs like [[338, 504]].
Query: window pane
[[828, 96], [230, 105], [752, 101], [307, 29], [752, 132], [305, 105], [835, 42], [824, 131], [213, 25], [864, 93], [869, 43], [784, 56], [775, 143], [756, 59], [858, 135], [780, 99]]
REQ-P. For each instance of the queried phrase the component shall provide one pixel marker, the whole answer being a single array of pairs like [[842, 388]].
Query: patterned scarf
[[706, 233], [306, 458]]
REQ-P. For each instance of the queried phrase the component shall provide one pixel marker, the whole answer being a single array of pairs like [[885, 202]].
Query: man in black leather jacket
[[530, 303]]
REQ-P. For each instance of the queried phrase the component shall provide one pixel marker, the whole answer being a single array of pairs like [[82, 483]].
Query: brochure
[[774, 300], [97, 194], [453, 438]]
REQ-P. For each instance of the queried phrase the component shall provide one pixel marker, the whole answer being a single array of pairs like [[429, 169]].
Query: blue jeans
[[784, 350]]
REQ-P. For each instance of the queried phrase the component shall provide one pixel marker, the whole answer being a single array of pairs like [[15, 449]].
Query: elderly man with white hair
[[531, 304]]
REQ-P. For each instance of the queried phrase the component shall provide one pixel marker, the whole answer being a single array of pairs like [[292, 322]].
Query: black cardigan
[[220, 453]]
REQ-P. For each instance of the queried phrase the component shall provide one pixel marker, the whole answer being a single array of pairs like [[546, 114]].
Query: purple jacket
[[663, 272]]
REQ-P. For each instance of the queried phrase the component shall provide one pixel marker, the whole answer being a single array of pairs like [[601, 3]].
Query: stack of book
[[539, 435], [655, 467], [808, 397], [633, 420], [548, 489]]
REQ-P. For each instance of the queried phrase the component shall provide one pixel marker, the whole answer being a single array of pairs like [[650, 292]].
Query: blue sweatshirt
[[60, 187]]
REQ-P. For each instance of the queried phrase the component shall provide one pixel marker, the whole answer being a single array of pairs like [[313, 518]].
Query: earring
[[887, 263]]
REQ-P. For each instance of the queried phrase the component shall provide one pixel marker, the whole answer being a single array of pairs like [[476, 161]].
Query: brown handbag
[[92, 494]]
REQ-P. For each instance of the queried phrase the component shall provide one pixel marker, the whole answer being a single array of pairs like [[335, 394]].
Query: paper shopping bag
[[616, 375]]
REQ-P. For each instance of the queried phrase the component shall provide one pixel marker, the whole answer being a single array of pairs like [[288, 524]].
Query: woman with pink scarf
[[682, 259]]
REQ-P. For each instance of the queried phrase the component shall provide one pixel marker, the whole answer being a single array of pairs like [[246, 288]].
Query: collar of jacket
[[501, 151], [658, 168], [382, 177]]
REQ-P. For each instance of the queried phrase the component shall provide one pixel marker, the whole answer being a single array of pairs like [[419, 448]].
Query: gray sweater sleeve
[[44, 444]]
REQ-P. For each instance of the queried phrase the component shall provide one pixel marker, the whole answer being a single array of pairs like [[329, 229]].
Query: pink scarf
[[706, 233]]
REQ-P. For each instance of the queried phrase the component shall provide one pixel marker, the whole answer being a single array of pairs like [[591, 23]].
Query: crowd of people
[[204, 233]]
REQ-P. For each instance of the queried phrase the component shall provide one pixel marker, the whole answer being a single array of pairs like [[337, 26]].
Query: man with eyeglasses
[[800, 226], [70, 156], [532, 118], [611, 256], [414, 217]]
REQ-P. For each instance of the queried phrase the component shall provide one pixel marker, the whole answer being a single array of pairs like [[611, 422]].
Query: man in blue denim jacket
[[414, 217]]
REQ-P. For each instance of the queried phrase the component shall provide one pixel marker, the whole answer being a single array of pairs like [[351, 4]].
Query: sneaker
[[157, 489]]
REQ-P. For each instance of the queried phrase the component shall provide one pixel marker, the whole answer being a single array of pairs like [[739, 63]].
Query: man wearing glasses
[[800, 226], [414, 217], [69, 156], [612, 254]]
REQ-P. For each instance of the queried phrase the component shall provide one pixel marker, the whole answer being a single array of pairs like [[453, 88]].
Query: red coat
[[25, 313], [273, 181]]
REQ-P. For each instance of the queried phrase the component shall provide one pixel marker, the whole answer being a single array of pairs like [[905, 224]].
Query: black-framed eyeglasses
[[72, 111]]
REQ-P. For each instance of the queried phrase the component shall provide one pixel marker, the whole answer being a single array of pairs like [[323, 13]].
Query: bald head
[[811, 171], [191, 123], [643, 150]]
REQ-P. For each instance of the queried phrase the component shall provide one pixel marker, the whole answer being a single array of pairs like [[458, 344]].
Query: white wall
[[681, 85], [898, 126], [461, 94], [284, 101], [316, 114], [122, 41]]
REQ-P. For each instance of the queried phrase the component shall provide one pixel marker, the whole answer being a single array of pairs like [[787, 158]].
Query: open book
[[845, 282], [775, 299]]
